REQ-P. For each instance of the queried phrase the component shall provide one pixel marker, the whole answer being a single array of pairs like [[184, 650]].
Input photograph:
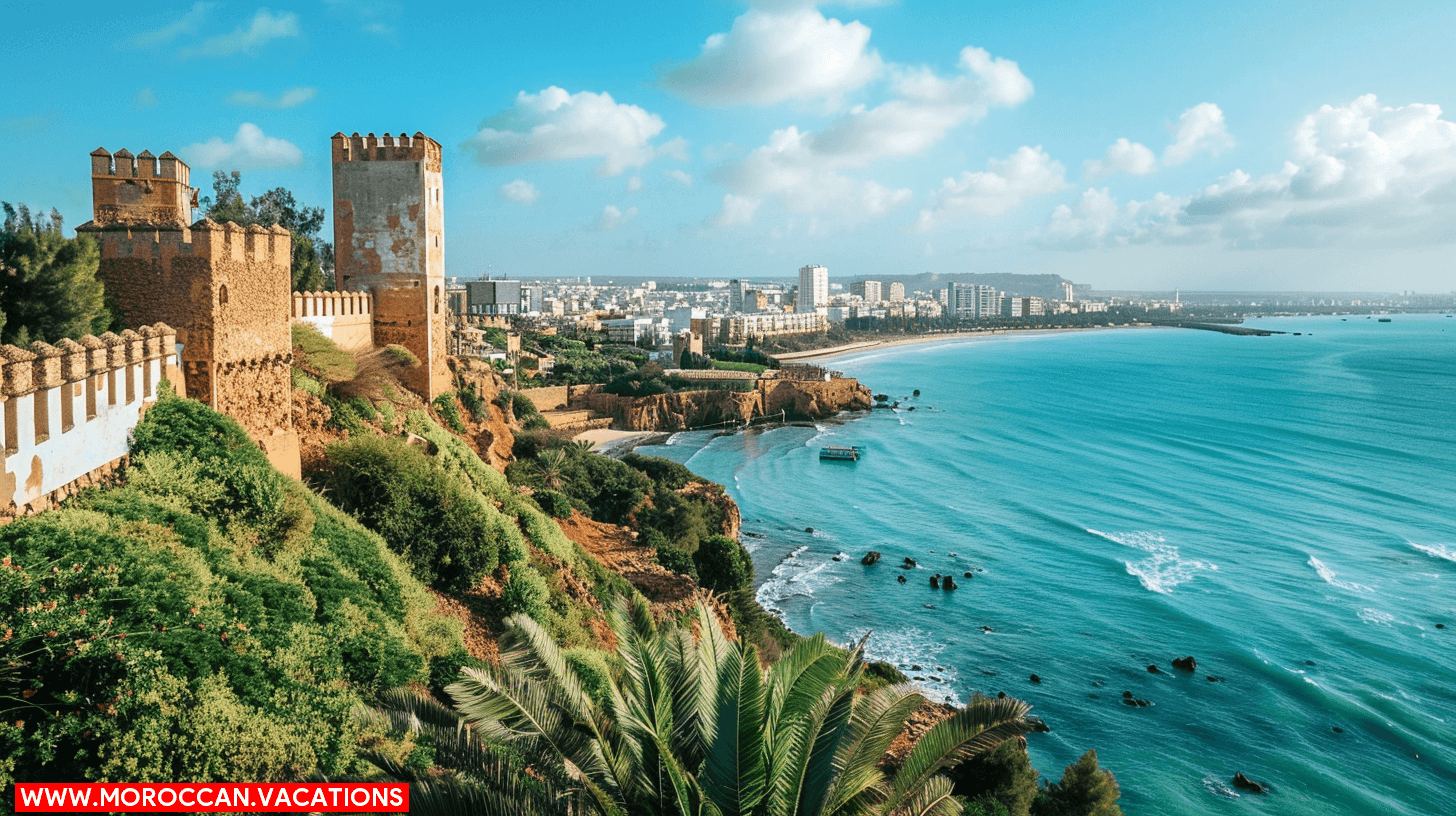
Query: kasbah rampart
[[209, 307]]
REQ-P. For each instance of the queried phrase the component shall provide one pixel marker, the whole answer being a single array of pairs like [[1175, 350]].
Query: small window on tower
[[437, 300], [222, 296]]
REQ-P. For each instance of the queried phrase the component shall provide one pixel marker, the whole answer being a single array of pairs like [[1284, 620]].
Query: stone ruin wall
[[69, 410], [347, 318]]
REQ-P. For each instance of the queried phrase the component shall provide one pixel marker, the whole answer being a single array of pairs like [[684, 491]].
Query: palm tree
[[550, 463], [694, 726]]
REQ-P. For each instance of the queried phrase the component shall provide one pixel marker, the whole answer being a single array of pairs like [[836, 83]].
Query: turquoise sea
[[1282, 508]]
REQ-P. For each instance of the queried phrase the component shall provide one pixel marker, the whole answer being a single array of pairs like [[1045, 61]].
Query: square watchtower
[[389, 230]]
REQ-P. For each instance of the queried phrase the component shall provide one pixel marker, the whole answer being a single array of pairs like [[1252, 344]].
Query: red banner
[[180, 797]]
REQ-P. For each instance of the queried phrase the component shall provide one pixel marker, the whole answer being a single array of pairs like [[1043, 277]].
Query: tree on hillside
[[1085, 790], [313, 257], [692, 725], [48, 284], [1003, 776]]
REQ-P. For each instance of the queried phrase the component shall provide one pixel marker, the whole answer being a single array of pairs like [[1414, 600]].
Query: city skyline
[[743, 140]]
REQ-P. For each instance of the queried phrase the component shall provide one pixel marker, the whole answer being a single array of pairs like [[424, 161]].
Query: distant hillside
[[1044, 286]]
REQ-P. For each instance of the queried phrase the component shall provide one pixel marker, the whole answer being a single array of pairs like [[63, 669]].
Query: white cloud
[[734, 210], [777, 52], [1361, 172], [554, 125], [995, 191], [249, 149], [613, 217], [187, 24], [634, 184], [804, 166], [145, 98], [291, 98], [1201, 127], [1097, 219], [1122, 156], [680, 177], [520, 191]]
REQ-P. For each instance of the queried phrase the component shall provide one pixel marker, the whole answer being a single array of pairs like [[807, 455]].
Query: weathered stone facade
[[224, 288], [389, 240]]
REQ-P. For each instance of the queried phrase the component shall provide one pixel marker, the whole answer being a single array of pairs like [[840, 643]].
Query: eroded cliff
[[792, 399]]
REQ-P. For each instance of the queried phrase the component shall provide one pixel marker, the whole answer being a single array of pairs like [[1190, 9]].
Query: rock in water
[[871, 557], [1036, 679], [1244, 783], [909, 562], [1187, 664], [808, 529], [935, 581], [1153, 669], [948, 583], [900, 578], [968, 574]]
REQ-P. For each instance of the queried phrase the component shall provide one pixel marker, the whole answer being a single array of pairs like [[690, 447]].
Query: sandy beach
[[604, 440], [826, 354]]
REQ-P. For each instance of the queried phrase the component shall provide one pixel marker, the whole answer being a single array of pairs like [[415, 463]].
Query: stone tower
[[389, 240], [224, 288]]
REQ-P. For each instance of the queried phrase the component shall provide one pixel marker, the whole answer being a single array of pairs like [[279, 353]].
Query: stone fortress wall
[[224, 288], [345, 317], [212, 304], [69, 410], [389, 219]]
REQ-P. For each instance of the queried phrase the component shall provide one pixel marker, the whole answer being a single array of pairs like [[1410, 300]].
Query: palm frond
[[932, 799], [879, 717], [734, 775], [979, 726]]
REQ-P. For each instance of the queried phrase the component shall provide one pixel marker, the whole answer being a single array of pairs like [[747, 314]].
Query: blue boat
[[841, 453]]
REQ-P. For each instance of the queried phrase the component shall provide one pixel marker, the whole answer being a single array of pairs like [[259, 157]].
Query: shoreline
[[820, 355]]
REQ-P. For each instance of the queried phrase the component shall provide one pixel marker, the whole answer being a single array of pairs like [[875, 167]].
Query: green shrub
[[594, 670], [664, 472], [445, 406], [676, 560], [522, 407], [388, 414], [343, 417], [304, 382], [364, 408], [553, 503], [1003, 776], [723, 564], [401, 356], [525, 592], [318, 355], [440, 529]]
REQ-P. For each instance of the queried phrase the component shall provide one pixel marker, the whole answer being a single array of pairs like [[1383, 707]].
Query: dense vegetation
[[692, 724], [206, 619], [48, 284]]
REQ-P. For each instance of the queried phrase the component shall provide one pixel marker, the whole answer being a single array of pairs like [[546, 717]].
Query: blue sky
[[1229, 145]]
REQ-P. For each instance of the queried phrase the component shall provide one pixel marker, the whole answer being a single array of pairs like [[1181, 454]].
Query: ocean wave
[[672, 440], [1332, 578], [1215, 786], [905, 648], [793, 577], [1376, 617], [1442, 551], [1164, 568]]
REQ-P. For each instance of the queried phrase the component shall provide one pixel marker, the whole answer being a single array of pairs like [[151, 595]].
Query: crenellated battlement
[[69, 408], [332, 304], [141, 190], [419, 148]]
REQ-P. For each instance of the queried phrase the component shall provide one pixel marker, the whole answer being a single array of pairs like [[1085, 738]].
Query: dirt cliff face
[[492, 437], [796, 399]]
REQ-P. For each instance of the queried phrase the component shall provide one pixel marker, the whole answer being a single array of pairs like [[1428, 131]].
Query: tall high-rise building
[[813, 288], [870, 291], [897, 291], [737, 291], [971, 301], [1067, 293]]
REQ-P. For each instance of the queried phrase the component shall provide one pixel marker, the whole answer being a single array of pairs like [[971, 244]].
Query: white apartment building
[[870, 291], [813, 288]]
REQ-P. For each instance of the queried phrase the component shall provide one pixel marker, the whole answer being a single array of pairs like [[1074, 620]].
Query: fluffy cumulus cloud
[[1359, 172], [995, 191], [1199, 128], [248, 39], [679, 176], [555, 125], [291, 98], [776, 52], [520, 191], [1122, 156], [249, 149], [735, 210], [613, 216], [806, 168]]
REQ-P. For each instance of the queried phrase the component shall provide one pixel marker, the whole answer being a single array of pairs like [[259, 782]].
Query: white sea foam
[[1164, 568], [1442, 551], [794, 576], [672, 440], [1332, 578], [903, 648], [1376, 617]]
